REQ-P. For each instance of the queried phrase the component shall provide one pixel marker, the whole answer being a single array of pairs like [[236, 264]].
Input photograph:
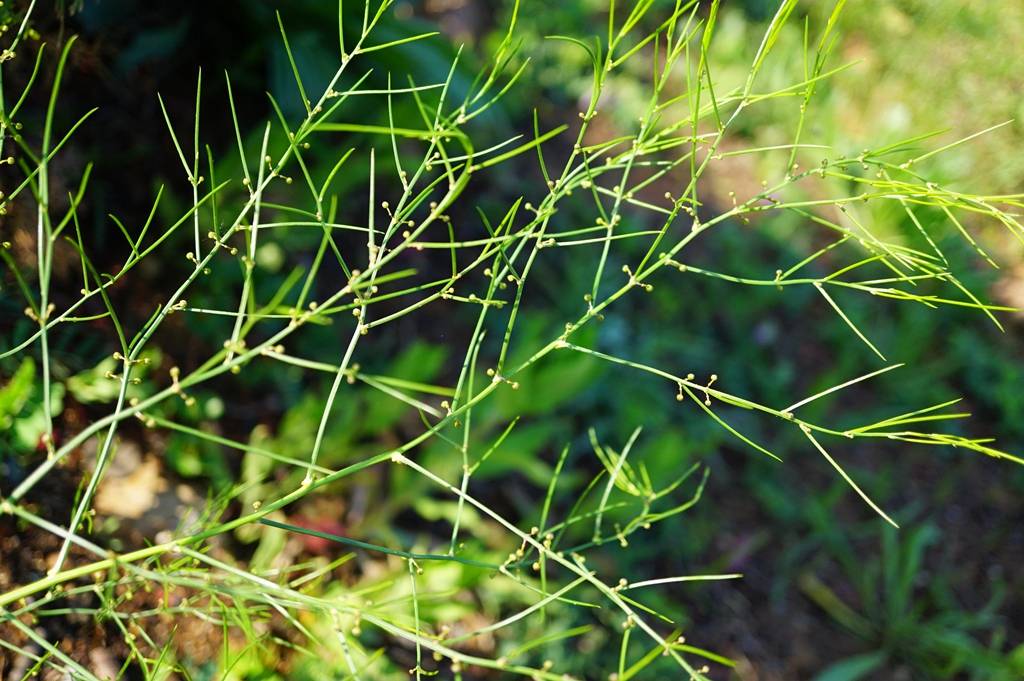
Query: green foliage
[[468, 328], [924, 633]]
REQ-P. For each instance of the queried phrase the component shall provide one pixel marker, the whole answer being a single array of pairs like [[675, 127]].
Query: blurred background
[[828, 592]]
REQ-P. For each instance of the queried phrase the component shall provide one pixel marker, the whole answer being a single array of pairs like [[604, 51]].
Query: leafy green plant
[[937, 642], [502, 586]]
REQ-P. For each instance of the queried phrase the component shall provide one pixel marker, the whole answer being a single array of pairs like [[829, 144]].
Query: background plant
[[297, 257]]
